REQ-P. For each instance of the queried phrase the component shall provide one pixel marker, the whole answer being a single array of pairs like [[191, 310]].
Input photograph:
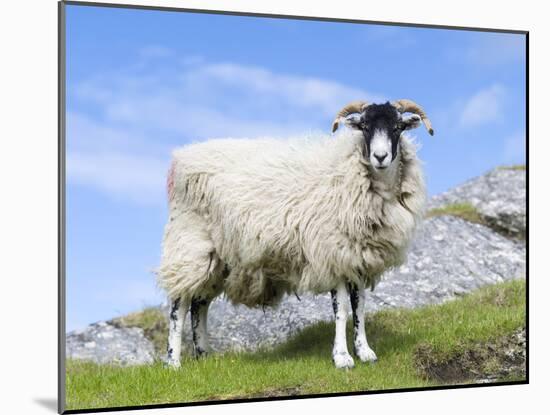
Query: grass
[[303, 364], [513, 167], [462, 210], [153, 322], [469, 213]]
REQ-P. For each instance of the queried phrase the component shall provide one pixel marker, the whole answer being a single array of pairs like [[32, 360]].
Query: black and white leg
[[176, 318], [340, 300], [199, 315], [360, 345]]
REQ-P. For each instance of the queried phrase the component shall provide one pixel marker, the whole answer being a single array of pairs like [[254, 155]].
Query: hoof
[[343, 360], [199, 353], [366, 354], [172, 364]]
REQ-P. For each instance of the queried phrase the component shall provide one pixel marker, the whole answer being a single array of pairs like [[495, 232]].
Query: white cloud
[[483, 107], [138, 178], [200, 100], [121, 162], [88, 134], [123, 124], [300, 92]]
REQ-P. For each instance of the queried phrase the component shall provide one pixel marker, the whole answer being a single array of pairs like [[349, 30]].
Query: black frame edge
[[290, 397], [61, 90]]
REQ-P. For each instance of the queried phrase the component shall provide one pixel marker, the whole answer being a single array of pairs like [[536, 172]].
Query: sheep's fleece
[[259, 218]]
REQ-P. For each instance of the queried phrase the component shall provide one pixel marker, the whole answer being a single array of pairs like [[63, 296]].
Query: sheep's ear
[[411, 121], [353, 121]]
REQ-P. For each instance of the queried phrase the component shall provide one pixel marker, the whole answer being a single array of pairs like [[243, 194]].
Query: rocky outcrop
[[499, 196], [104, 343], [449, 257]]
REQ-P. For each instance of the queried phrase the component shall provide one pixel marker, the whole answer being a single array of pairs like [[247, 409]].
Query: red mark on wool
[[170, 182]]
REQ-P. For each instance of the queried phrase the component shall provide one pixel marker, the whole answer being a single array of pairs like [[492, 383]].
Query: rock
[[243, 329], [505, 217], [103, 343], [438, 269], [499, 196]]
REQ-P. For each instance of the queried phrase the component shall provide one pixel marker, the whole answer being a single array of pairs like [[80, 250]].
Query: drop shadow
[[48, 403]]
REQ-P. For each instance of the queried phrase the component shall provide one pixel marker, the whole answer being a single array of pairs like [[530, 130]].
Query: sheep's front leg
[[340, 355], [360, 346], [199, 315], [177, 315]]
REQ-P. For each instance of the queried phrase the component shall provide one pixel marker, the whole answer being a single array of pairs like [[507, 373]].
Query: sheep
[[257, 219]]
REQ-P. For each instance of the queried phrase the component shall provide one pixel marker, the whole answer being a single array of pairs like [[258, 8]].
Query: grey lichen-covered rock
[[505, 217], [499, 196], [449, 258], [103, 343], [239, 328]]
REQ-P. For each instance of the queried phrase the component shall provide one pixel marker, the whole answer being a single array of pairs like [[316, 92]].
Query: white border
[[28, 172]]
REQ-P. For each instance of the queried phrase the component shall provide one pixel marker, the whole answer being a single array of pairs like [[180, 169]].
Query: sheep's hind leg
[[176, 318], [199, 316], [340, 355], [360, 345]]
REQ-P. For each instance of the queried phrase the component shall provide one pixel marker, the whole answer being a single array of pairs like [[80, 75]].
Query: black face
[[382, 118], [382, 126]]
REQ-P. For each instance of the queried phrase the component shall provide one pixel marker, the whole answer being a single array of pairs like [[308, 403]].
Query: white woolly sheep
[[257, 219]]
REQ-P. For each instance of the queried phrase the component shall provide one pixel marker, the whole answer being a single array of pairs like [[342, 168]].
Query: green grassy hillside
[[461, 341]]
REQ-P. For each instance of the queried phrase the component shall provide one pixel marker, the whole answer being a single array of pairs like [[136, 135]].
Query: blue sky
[[142, 82]]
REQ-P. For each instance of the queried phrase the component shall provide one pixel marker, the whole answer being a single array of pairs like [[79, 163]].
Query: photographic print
[[261, 207]]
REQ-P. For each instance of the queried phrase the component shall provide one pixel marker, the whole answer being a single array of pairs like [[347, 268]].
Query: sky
[[140, 83]]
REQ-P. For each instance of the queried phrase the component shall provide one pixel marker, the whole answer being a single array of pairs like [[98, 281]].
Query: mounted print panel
[[261, 207]]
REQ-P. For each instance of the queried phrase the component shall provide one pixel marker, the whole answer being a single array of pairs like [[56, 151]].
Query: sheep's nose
[[380, 157]]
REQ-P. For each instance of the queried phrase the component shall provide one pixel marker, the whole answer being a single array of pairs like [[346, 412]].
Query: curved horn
[[351, 108], [406, 105]]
